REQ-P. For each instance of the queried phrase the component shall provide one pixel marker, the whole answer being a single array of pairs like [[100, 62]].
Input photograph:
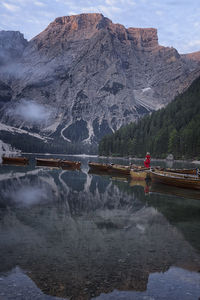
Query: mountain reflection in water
[[78, 235]]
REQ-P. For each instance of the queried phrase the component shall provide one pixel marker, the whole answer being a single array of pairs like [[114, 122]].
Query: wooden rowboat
[[53, 162], [193, 171], [120, 169], [137, 174], [99, 166], [176, 179], [48, 162], [14, 160], [70, 164]]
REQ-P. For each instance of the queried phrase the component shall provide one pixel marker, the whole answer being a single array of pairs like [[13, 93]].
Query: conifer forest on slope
[[174, 129]]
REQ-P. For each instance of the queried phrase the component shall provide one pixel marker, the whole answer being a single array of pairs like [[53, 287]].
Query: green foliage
[[174, 129], [28, 143]]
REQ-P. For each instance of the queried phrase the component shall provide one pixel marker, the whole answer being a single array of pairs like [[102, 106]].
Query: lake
[[78, 235]]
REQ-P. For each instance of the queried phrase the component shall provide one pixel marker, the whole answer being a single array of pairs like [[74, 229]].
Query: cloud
[[128, 2], [11, 7], [30, 111], [159, 12], [111, 2], [119, 2], [38, 3], [107, 11], [196, 24], [22, 2], [194, 43], [48, 15]]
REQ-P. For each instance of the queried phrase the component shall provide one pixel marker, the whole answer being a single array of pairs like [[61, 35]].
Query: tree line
[[28, 143], [174, 129]]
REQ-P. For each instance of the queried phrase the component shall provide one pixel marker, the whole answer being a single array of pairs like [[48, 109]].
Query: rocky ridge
[[86, 77]]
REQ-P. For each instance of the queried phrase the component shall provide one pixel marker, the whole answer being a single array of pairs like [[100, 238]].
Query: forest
[[31, 144], [174, 129]]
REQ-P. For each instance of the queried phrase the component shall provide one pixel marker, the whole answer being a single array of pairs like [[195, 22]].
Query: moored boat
[[176, 179], [139, 174], [120, 169], [53, 162], [193, 171], [99, 166], [14, 160], [70, 164], [48, 162]]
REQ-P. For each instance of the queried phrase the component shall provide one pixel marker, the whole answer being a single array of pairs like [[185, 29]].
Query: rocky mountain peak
[[88, 77], [14, 38], [76, 27], [82, 21], [143, 37], [83, 27], [12, 45], [195, 56]]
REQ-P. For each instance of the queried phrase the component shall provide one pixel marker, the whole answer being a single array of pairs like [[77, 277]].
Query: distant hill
[[174, 129]]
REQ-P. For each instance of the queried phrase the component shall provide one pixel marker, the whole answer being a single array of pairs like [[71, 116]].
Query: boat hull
[[183, 171], [15, 160], [70, 164], [51, 162], [119, 169], [99, 166], [47, 162], [139, 175], [176, 179]]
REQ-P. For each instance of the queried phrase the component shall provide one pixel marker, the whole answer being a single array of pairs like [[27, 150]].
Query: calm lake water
[[77, 235]]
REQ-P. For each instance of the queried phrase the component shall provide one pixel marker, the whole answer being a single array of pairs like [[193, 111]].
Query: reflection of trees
[[85, 239], [181, 212]]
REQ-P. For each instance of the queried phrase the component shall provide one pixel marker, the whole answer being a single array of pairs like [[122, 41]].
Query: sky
[[177, 21]]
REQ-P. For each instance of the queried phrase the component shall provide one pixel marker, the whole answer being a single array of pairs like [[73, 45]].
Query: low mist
[[30, 195], [30, 111]]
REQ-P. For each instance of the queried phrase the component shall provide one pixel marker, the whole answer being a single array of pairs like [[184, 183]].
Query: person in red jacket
[[147, 160]]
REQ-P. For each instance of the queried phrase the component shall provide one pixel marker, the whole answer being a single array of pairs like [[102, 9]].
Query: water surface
[[76, 235]]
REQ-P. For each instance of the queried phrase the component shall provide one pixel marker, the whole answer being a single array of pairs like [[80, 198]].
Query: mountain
[[192, 56], [173, 129], [84, 77]]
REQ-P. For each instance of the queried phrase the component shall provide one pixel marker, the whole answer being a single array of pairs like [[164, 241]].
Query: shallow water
[[77, 235]]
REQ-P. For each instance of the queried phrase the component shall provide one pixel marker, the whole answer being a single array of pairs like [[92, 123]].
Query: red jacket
[[147, 161]]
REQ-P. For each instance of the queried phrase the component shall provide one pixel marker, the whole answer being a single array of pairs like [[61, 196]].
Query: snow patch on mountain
[[7, 149], [11, 129], [146, 89], [90, 132]]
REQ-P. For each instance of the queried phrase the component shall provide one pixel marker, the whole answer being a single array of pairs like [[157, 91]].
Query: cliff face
[[192, 56], [12, 45], [93, 76]]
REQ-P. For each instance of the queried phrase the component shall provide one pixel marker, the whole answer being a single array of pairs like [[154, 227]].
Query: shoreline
[[152, 159], [108, 157]]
